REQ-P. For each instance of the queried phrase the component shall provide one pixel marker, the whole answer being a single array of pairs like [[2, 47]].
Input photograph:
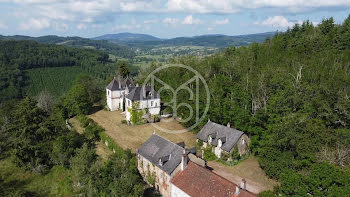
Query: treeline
[[17, 57], [78, 42], [37, 138], [290, 94]]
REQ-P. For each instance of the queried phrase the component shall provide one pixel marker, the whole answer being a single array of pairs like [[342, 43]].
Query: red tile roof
[[198, 181]]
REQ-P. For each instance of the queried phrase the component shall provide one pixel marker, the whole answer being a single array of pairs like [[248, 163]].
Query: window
[[108, 92], [242, 141], [129, 103], [151, 103]]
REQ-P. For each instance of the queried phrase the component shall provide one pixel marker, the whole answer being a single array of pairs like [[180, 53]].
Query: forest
[[291, 95], [30, 64], [36, 142]]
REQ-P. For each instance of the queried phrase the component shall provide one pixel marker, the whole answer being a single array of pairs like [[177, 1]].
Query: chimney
[[184, 160], [228, 125], [144, 91], [243, 184], [137, 85], [119, 84], [237, 191]]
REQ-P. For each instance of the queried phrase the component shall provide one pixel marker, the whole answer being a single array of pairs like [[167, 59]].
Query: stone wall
[[162, 179], [243, 144]]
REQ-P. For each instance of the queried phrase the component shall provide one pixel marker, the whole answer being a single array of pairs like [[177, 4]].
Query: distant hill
[[127, 37], [211, 40], [78, 42]]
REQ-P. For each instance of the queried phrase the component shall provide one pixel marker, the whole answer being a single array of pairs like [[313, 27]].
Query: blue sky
[[162, 18]]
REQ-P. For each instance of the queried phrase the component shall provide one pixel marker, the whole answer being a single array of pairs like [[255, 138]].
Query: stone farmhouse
[[197, 181], [223, 139], [160, 159], [123, 95], [178, 172]]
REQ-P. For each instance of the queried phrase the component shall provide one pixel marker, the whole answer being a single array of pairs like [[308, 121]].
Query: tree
[[63, 147], [77, 101], [123, 69], [45, 101], [33, 134], [84, 158], [91, 85]]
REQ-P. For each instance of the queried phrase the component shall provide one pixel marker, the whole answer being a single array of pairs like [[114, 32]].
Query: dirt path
[[257, 181], [133, 136]]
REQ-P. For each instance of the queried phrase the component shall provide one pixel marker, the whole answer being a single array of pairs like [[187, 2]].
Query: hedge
[[95, 131], [109, 142]]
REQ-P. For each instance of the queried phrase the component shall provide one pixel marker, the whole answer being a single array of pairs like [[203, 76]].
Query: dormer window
[[209, 139], [164, 159]]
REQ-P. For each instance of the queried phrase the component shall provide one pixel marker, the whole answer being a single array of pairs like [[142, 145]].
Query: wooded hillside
[[291, 95], [18, 58]]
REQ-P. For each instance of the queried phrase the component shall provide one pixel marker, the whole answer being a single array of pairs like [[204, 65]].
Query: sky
[[162, 18]]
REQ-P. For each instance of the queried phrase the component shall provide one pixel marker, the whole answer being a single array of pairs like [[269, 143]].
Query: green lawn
[[15, 181]]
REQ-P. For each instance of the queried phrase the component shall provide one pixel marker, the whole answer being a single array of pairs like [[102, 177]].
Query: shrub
[[112, 145], [235, 154], [209, 155], [124, 122], [92, 131], [84, 120]]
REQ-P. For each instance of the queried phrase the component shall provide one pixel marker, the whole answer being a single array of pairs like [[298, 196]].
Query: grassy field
[[134, 136], [248, 169], [55, 80], [55, 183]]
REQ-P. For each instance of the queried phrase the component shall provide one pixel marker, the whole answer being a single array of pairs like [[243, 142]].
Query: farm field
[[132, 137]]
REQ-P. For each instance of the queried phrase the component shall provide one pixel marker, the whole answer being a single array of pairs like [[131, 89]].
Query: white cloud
[[150, 21], [3, 26], [280, 22], [171, 21], [222, 22], [61, 26], [231, 6], [276, 21], [189, 20], [82, 26], [35, 24], [126, 27], [97, 8]]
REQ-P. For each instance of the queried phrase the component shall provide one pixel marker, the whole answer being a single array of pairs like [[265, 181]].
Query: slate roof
[[137, 93], [198, 181], [218, 131], [156, 148], [114, 84]]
